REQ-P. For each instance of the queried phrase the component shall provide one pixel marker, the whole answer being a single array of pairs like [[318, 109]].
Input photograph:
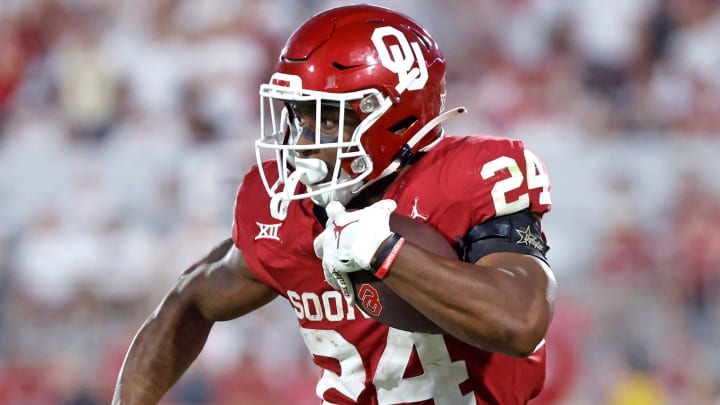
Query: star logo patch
[[527, 238]]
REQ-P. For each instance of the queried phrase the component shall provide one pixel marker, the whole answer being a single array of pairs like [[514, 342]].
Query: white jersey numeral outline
[[535, 176], [440, 380]]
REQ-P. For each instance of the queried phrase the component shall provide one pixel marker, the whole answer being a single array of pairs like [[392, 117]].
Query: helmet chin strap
[[309, 172], [343, 194], [279, 203], [314, 170]]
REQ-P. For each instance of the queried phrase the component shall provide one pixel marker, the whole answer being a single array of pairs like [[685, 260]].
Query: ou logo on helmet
[[399, 58]]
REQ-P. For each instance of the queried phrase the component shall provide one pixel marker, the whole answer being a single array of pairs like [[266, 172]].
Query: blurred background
[[126, 127]]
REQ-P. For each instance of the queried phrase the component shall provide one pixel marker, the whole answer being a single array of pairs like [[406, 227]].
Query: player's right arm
[[218, 287]]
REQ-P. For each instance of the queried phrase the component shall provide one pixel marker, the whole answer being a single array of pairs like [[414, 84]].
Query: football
[[380, 302]]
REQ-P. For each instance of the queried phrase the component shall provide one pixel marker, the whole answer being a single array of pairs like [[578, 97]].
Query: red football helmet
[[375, 61]]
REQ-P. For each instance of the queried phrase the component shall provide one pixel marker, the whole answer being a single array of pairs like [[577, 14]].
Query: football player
[[352, 117]]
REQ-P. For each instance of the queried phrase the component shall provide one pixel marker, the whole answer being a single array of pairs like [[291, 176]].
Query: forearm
[[486, 306], [166, 344]]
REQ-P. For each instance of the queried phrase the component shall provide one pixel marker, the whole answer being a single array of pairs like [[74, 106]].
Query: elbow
[[524, 340], [511, 341], [522, 336], [519, 343], [523, 346]]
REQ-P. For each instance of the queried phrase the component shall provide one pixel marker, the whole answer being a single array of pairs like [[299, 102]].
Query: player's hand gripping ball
[[371, 294], [350, 240]]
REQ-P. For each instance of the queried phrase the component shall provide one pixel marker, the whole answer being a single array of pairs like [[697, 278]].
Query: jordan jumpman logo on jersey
[[415, 213]]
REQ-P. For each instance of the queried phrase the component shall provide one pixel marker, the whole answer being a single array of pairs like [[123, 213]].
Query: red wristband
[[384, 268]]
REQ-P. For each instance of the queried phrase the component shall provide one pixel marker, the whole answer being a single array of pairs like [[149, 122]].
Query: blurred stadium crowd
[[126, 125]]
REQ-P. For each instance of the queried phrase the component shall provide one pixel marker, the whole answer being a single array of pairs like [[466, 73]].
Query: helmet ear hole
[[403, 124]]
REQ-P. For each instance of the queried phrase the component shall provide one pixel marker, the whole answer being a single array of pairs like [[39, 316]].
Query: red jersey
[[462, 182]]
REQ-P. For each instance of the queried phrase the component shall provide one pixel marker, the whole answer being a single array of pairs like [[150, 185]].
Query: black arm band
[[518, 232]]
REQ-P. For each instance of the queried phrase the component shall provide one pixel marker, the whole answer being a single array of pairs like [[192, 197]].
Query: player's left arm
[[499, 297], [503, 302]]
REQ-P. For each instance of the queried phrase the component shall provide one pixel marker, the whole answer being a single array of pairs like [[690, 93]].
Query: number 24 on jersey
[[535, 177]]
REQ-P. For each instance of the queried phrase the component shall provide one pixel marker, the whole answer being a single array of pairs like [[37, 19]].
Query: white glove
[[341, 282], [350, 241]]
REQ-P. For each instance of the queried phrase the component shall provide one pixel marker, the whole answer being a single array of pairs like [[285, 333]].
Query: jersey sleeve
[[504, 181], [469, 180]]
